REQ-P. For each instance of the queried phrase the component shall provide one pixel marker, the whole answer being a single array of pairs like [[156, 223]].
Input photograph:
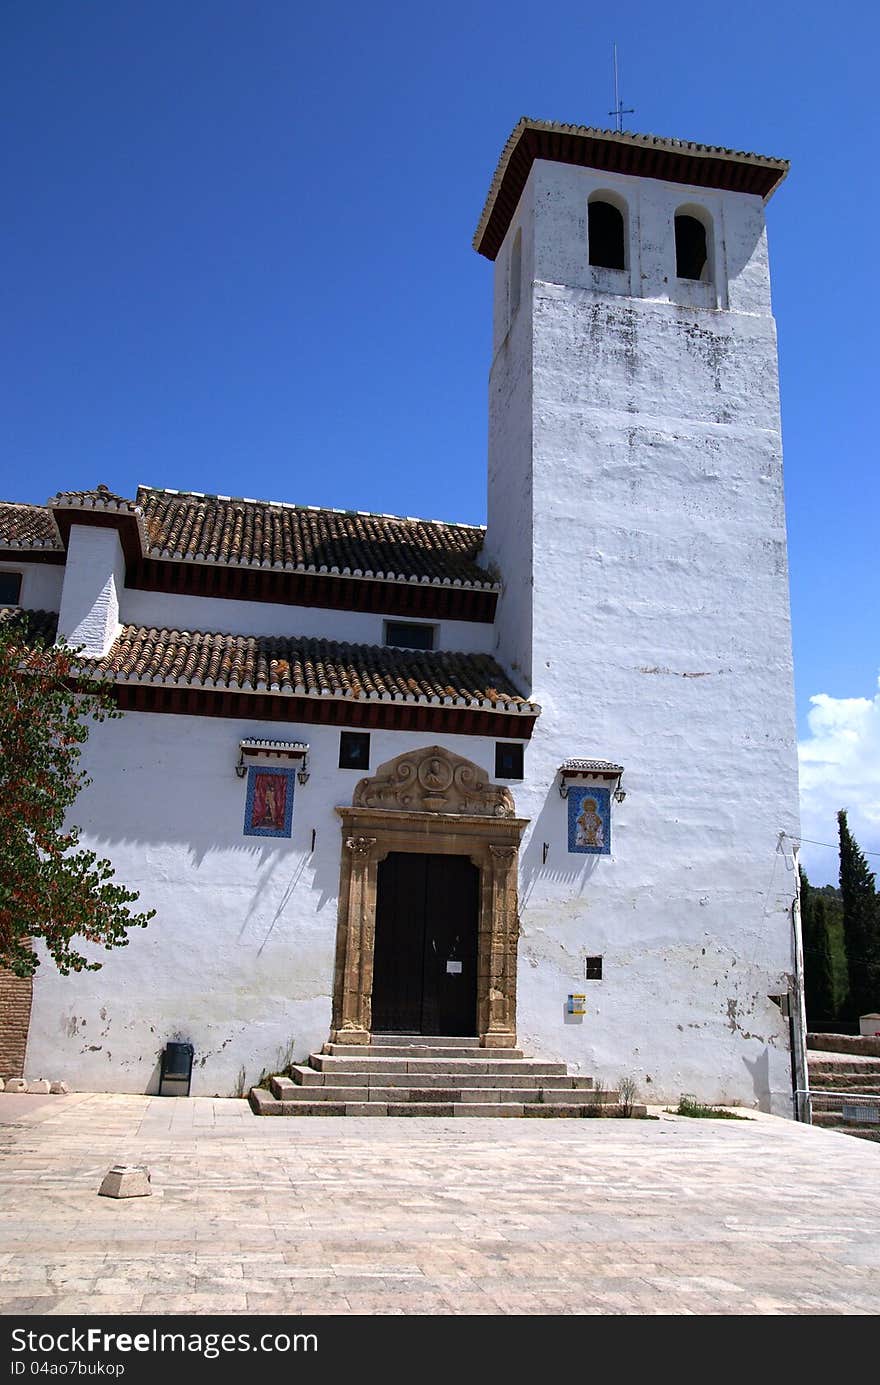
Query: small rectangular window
[[594, 969], [508, 760], [354, 750], [404, 634], [10, 588]]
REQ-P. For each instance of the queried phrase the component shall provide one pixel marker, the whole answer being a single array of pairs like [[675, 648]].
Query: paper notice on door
[[453, 968]]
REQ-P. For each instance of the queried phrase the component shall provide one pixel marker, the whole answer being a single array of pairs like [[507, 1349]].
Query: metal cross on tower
[[619, 109]]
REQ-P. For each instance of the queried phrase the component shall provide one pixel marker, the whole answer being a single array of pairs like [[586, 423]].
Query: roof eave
[[507, 708], [652, 156]]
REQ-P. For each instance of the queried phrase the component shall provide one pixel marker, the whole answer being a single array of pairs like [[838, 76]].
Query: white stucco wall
[[508, 546], [40, 584], [239, 958], [176, 612]]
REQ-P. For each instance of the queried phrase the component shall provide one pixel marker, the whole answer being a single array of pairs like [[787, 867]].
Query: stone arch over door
[[436, 802]]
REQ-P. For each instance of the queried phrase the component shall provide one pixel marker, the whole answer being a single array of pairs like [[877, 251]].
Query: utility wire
[[831, 846]]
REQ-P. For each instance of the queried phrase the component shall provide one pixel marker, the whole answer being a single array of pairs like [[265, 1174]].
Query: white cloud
[[840, 768]]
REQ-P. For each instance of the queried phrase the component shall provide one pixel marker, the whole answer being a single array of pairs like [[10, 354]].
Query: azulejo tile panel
[[268, 808], [589, 820]]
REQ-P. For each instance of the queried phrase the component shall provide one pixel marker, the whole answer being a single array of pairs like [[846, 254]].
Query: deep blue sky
[[237, 252]]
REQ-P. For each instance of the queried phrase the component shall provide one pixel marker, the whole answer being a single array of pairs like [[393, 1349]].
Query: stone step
[[263, 1103], [825, 1067], [325, 1062], [284, 1090], [488, 1108], [837, 1103], [829, 1120], [308, 1077], [843, 1093], [847, 1081], [562, 1096], [409, 1051], [583, 1111], [420, 1040]]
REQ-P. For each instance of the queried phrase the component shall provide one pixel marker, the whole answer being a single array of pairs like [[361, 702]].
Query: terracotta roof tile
[[259, 533], [590, 767], [311, 668], [26, 526], [98, 498]]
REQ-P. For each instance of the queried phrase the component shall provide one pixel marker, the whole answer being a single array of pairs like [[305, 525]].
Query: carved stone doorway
[[430, 802]]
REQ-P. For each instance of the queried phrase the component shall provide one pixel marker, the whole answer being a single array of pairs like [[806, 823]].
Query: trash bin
[[176, 1068]]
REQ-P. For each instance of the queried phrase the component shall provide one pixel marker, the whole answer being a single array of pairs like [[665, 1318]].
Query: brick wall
[[15, 1014]]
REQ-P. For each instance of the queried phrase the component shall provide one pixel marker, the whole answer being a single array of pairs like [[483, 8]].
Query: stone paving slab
[[448, 1216]]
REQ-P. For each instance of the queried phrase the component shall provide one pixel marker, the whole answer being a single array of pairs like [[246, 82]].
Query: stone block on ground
[[16, 1084], [39, 1087], [59, 1089], [126, 1180]]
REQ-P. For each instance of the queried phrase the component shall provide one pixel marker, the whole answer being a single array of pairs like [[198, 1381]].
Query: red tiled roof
[[259, 533], [225, 531], [98, 498], [26, 526], [311, 668]]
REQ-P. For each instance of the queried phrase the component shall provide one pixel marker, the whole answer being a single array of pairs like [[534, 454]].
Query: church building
[[520, 788]]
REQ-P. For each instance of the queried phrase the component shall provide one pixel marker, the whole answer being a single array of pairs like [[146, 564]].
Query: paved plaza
[[335, 1215]]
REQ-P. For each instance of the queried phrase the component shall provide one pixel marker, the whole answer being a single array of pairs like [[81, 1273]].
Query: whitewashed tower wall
[[636, 513]]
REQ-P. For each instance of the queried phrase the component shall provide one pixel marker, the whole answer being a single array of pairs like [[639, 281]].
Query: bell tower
[[634, 413], [636, 516]]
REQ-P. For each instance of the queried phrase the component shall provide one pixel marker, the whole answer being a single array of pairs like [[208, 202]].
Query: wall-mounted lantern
[[288, 753], [590, 770]]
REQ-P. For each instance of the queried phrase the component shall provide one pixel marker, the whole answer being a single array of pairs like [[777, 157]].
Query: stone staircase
[[842, 1075], [409, 1075]]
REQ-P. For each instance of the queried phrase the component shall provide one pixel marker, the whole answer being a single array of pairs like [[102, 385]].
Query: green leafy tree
[[861, 923], [50, 886]]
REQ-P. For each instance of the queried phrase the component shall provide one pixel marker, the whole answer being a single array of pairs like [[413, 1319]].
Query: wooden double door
[[425, 959]]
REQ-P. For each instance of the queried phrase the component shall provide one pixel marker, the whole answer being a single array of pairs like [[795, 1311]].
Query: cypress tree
[[807, 895], [818, 969], [818, 972], [861, 923]]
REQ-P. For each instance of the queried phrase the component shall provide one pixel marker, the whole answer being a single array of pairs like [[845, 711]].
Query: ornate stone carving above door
[[434, 780]]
